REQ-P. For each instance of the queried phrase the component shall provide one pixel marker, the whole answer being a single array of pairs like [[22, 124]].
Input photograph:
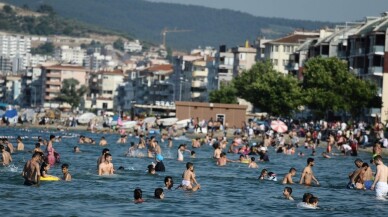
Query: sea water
[[233, 190]]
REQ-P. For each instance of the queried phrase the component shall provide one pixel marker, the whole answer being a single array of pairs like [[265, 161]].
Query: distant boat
[[86, 118], [168, 121], [182, 123]]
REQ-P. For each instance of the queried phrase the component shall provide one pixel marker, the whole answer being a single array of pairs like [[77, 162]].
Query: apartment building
[[71, 55], [103, 87], [224, 64], [368, 57], [14, 52], [244, 58], [278, 51], [96, 62], [52, 80], [133, 46]]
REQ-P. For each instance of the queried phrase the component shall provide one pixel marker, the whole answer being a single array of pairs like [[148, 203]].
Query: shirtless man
[[6, 158], [195, 143], [380, 182], [31, 170], [9, 147], [103, 142], [217, 151], [106, 167], [355, 174], [223, 159], [102, 157], [20, 146], [288, 177], [307, 174], [189, 178]]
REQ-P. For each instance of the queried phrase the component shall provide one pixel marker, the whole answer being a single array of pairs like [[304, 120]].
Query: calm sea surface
[[233, 190]]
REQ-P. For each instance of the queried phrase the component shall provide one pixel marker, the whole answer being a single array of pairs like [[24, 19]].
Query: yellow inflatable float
[[49, 178]]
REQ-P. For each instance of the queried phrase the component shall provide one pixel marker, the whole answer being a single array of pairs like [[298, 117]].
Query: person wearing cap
[[159, 167]]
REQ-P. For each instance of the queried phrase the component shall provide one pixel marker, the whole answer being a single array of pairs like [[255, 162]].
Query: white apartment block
[[73, 55], [97, 62], [133, 46], [16, 50], [278, 51]]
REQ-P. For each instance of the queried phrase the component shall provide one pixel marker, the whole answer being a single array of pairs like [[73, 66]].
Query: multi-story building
[[13, 89], [244, 58], [97, 62], [103, 87], [260, 46], [52, 80], [278, 51], [224, 64], [368, 55], [133, 46], [15, 51], [71, 55]]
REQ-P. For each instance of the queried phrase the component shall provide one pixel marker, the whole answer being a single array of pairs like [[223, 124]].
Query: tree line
[[327, 86]]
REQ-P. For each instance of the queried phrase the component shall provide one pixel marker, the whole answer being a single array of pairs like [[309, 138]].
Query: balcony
[[53, 90], [53, 75], [358, 72], [376, 70], [58, 83], [49, 97], [378, 49], [357, 51], [195, 95], [198, 84], [200, 63], [199, 74]]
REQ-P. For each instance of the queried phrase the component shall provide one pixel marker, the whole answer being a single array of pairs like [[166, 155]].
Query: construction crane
[[166, 30]]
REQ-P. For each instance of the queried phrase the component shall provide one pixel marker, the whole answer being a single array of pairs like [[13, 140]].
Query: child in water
[[65, 171], [44, 169], [253, 164], [287, 193]]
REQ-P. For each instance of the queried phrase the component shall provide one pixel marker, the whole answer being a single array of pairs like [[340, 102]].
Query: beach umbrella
[[279, 126], [11, 113]]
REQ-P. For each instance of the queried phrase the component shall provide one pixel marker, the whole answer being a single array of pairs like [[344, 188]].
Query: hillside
[[146, 20], [21, 20]]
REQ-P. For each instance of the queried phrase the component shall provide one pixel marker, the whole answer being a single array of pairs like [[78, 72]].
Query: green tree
[[119, 44], [226, 94], [269, 90], [329, 86], [70, 93], [44, 49]]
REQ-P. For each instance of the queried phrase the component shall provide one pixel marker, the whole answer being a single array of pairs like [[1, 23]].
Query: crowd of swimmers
[[250, 153]]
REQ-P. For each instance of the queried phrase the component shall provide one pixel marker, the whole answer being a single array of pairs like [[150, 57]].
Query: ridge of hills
[[145, 20]]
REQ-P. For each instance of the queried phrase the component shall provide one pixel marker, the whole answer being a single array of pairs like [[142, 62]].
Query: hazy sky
[[324, 10]]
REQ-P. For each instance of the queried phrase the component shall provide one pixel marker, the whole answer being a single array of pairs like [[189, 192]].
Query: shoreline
[[178, 133]]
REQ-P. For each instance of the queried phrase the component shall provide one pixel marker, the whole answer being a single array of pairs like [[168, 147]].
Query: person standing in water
[[20, 145], [31, 170], [307, 174], [189, 178], [106, 167], [380, 182], [6, 158], [288, 177], [51, 151]]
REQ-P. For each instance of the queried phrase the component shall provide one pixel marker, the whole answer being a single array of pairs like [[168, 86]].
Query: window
[[276, 48], [242, 56], [275, 62]]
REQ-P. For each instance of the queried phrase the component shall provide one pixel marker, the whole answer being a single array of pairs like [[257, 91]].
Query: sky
[[321, 10]]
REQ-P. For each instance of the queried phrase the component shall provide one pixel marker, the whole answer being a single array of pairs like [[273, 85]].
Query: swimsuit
[[368, 184], [381, 189], [186, 183]]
